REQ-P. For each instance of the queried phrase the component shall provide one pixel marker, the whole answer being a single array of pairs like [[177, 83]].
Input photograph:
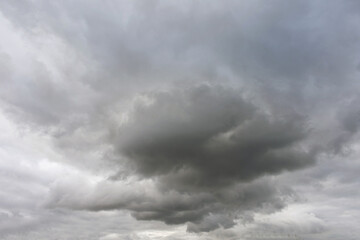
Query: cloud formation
[[204, 153], [210, 136], [195, 112]]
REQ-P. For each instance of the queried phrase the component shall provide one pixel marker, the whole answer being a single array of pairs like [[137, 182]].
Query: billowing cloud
[[202, 147], [209, 136]]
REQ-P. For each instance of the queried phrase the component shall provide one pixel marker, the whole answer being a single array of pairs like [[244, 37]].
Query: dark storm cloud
[[203, 147], [209, 136], [217, 209]]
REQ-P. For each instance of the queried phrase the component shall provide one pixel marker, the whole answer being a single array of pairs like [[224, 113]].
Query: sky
[[174, 120]]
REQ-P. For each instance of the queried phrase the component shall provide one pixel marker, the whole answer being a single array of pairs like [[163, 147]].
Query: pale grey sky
[[179, 119]]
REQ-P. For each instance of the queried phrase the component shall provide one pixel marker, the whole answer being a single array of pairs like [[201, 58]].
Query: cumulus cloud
[[200, 150], [210, 136]]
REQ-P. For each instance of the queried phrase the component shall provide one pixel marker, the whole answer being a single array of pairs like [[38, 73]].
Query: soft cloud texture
[[216, 119]]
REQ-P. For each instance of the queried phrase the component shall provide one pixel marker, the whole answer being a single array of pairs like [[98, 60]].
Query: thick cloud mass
[[206, 150], [225, 118], [209, 136]]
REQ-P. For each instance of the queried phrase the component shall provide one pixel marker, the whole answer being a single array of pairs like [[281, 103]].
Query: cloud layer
[[232, 118], [209, 136]]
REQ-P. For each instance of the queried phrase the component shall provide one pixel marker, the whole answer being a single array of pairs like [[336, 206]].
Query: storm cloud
[[199, 151], [209, 136]]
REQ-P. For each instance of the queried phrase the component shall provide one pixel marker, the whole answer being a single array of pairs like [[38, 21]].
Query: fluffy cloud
[[210, 136]]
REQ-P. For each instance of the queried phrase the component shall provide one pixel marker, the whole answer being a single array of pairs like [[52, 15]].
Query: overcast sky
[[174, 120]]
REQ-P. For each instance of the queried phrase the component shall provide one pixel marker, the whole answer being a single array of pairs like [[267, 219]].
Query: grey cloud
[[212, 222], [287, 43], [203, 211], [70, 69], [210, 136], [202, 139]]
